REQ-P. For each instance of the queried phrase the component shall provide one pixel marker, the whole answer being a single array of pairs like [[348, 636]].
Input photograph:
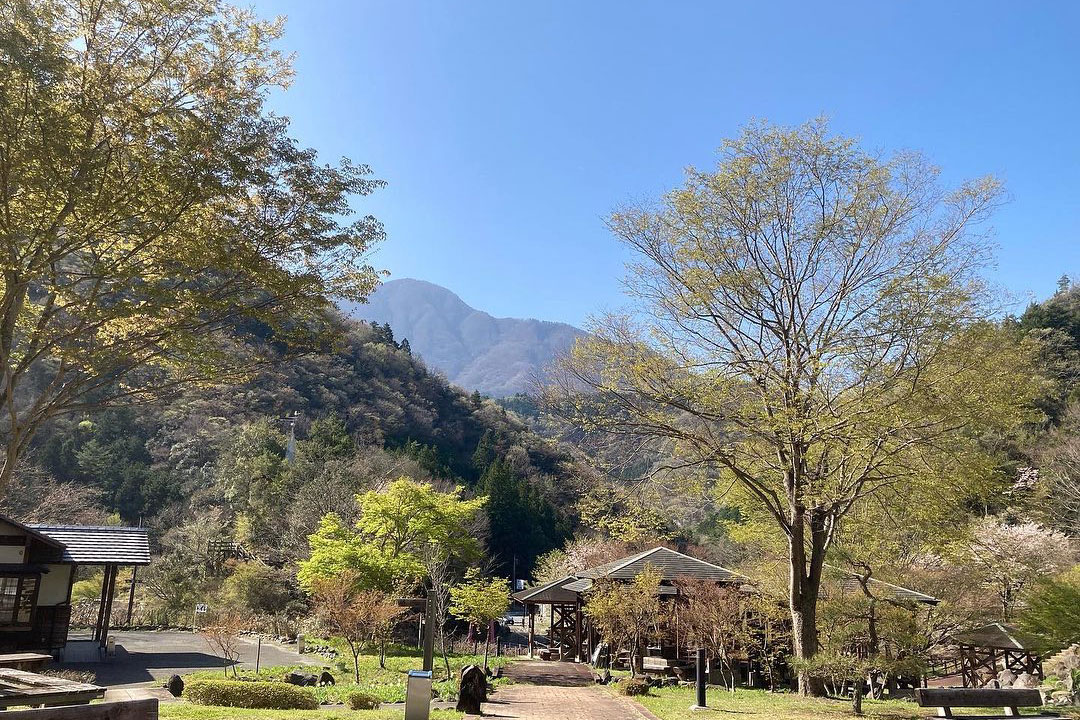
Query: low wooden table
[[18, 687], [25, 661]]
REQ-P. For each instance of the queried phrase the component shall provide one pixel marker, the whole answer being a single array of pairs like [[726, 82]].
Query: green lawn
[[187, 711], [387, 684], [674, 704]]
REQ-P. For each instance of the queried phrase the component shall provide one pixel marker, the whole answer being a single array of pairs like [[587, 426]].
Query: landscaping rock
[[302, 679], [604, 677], [1006, 678], [472, 689], [175, 685], [1026, 680]]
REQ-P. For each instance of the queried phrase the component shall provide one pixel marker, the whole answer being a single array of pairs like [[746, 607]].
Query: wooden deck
[[18, 687]]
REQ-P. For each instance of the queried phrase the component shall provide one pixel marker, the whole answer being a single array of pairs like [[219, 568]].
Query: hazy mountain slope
[[497, 356]]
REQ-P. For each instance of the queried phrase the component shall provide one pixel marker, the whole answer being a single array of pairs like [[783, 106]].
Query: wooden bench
[[29, 661], [660, 663], [18, 687], [1009, 699]]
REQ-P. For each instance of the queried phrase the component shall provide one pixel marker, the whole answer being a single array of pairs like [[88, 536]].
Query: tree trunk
[[487, 644], [857, 696], [805, 584]]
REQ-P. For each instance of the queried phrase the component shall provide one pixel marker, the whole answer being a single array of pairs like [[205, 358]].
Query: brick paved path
[[557, 691]]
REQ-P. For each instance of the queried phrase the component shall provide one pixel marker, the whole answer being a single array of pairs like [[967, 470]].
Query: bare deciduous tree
[[810, 328]]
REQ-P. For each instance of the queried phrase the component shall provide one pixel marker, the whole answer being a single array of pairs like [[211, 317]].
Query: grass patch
[[386, 684], [187, 711], [673, 703]]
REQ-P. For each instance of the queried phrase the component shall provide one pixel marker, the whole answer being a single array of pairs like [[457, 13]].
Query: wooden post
[[531, 609], [701, 678], [429, 632], [577, 631], [131, 594], [111, 572]]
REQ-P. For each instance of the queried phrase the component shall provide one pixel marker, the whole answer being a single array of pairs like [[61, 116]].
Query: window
[[17, 599]]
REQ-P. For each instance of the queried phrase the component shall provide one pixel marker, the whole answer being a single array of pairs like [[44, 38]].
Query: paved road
[[557, 691], [151, 657]]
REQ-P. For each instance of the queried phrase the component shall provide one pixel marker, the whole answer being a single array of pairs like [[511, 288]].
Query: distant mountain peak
[[497, 356]]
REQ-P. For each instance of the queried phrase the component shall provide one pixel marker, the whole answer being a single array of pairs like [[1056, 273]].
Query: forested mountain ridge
[[368, 412], [497, 356]]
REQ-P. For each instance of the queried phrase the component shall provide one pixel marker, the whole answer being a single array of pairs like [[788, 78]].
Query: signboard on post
[[200, 609]]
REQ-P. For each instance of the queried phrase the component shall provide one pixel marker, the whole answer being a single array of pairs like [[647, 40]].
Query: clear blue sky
[[508, 130]]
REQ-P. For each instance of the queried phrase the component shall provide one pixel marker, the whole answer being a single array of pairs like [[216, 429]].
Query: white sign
[[201, 608]]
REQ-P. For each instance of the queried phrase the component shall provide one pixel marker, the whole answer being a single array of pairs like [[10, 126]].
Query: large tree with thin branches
[[154, 216], [809, 328]]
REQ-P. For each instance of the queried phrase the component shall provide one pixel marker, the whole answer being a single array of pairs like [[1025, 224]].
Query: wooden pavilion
[[570, 636], [991, 648]]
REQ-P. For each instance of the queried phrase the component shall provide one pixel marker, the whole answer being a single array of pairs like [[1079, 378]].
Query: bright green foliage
[[397, 527], [1052, 611], [480, 601], [153, 211]]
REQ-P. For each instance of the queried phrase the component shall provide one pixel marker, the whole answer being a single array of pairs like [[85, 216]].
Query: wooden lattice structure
[[988, 650], [564, 631]]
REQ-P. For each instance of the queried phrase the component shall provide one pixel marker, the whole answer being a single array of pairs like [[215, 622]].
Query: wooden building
[[990, 649], [37, 571], [570, 637]]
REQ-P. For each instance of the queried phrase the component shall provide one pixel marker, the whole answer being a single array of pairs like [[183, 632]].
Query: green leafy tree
[[254, 481], [480, 601], [396, 529], [1052, 610], [627, 615], [152, 211], [812, 329]]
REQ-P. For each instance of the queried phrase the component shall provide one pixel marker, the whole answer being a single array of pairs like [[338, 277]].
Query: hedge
[[247, 694], [633, 686], [362, 701]]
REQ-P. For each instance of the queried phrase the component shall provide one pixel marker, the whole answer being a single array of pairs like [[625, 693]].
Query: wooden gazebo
[[989, 649]]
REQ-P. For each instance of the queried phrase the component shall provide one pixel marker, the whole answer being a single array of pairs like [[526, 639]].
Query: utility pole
[[290, 447], [131, 592]]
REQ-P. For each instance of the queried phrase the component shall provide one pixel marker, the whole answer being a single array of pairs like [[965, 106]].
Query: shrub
[[362, 701], [251, 694], [633, 686]]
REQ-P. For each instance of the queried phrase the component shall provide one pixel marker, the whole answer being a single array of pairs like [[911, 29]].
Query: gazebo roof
[[995, 635], [550, 592], [670, 563]]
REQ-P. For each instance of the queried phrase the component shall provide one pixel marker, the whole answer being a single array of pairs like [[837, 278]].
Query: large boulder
[[175, 685], [1006, 678], [1026, 680], [302, 679], [472, 689]]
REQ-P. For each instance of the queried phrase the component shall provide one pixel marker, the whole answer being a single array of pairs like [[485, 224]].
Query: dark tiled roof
[[554, 591], [671, 564], [30, 530], [849, 582], [996, 635], [106, 545]]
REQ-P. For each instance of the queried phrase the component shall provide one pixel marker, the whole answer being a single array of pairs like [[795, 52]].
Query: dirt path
[[557, 691]]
